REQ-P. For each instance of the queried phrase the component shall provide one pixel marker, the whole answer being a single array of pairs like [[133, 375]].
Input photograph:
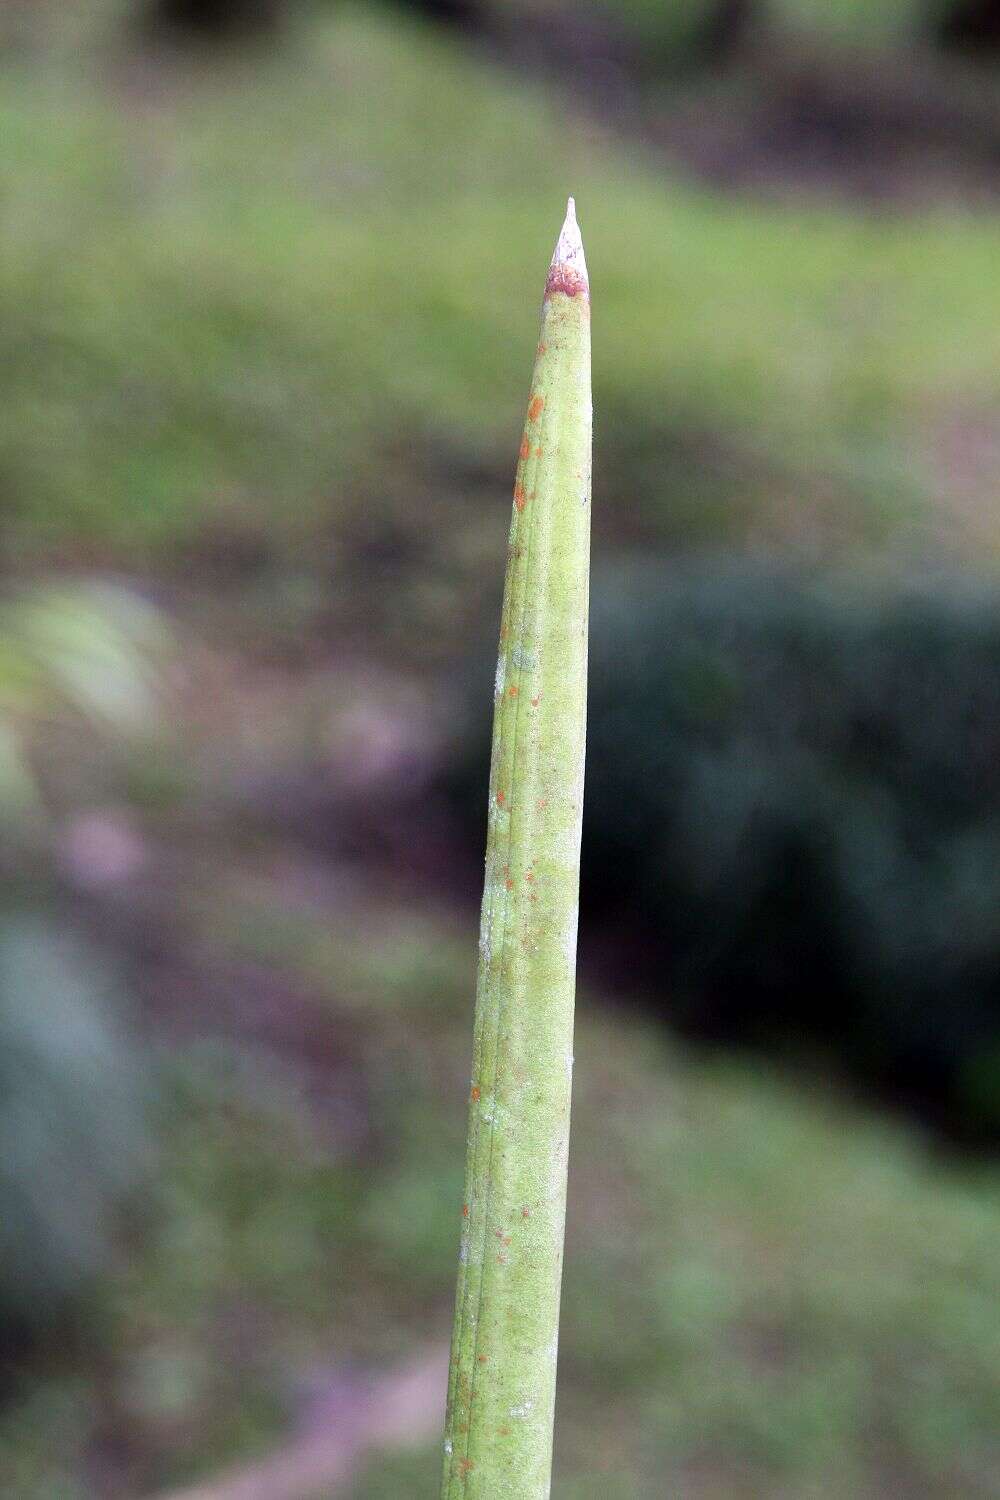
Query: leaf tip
[[568, 270]]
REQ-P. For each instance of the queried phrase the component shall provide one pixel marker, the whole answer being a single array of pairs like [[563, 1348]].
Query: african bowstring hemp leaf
[[502, 1379]]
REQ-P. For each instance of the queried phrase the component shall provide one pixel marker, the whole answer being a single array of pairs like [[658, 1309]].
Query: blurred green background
[[269, 284]]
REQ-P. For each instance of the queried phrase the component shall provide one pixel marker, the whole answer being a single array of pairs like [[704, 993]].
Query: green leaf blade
[[502, 1379]]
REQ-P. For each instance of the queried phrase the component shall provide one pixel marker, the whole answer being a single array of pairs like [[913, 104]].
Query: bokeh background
[[269, 283]]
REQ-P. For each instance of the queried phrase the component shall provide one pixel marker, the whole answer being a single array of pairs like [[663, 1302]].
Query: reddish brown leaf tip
[[568, 271]]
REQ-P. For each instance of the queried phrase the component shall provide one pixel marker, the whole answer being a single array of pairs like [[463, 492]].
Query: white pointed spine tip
[[568, 271]]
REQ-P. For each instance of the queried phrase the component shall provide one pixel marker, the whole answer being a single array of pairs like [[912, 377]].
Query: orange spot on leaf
[[501, 799], [538, 452], [465, 1210], [483, 1359], [535, 701], [509, 884], [542, 804], [525, 447], [535, 409], [475, 1096], [525, 1213], [464, 1465], [512, 692], [519, 497]]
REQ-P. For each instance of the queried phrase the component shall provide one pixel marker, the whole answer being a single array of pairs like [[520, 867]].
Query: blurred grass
[[767, 1293], [245, 321]]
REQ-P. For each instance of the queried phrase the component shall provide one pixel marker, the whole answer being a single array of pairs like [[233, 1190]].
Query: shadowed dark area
[[217, 20], [971, 26]]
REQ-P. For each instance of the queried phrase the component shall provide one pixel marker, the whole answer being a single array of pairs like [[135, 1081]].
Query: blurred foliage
[[71, 1116], [651, 39], [70, 1080], [859, 20], [670, 35], [661, 34], [793, 794], [93, 651]]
